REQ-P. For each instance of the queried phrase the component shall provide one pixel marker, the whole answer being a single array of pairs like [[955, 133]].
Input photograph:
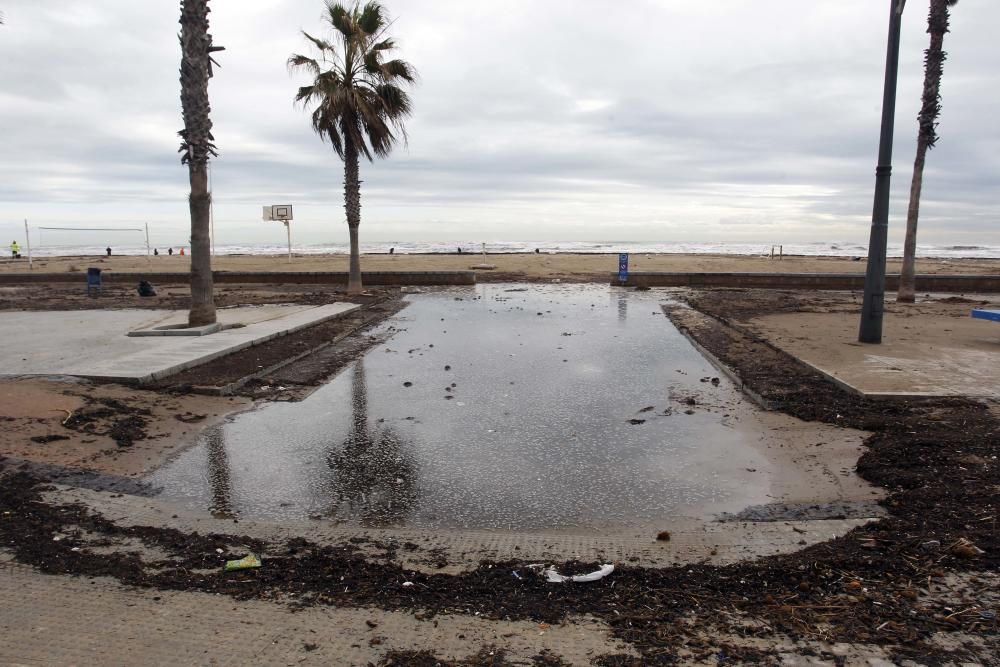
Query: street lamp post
[[874, 300]]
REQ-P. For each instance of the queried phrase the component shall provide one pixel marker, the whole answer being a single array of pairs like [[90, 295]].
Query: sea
[[817, 249]]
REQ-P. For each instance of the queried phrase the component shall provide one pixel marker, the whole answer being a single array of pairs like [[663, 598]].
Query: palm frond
[[372, 18], [340, 18], [296, 61], [399, 69], [359, 108], [321, 44]]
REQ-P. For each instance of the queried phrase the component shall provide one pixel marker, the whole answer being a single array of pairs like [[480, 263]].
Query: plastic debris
[[407, 583], [245, 563], [552, 576], [964, 548]]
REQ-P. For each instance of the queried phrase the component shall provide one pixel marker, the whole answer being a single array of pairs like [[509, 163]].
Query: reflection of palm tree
[[219, 473], [375, 481]]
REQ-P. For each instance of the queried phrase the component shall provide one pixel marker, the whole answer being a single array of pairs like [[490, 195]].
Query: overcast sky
[[642, 120]]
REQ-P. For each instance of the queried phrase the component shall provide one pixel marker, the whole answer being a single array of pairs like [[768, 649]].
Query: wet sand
[[572, 267], [41, 408]]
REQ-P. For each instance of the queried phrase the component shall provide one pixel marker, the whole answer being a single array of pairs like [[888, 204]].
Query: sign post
[[623, 268]]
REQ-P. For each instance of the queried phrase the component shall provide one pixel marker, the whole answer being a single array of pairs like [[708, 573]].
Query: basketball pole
[[27, 241], [288, 231]]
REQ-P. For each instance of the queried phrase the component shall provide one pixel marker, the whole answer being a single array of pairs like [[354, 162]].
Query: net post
[[27, 242]]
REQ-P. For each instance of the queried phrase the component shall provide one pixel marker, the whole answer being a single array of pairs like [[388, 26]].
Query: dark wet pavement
[[575, 407]]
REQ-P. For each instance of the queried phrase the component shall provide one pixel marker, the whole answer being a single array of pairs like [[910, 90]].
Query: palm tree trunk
[[934, 57], [196, 147], [908, 274], [352, 204], [202, 295]]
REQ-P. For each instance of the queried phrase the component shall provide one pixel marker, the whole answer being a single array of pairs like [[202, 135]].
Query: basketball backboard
[[278, 212]]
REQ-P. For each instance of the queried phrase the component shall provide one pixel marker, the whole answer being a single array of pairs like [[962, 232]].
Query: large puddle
[[495, 407]]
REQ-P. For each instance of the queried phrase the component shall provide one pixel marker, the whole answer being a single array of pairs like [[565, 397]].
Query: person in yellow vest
[[15, 249]]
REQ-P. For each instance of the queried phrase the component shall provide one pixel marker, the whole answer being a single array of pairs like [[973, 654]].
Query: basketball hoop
[[281, 213]]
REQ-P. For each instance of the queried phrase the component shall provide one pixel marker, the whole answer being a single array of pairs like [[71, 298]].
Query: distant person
[[15, 250], [537, 251], [182, 252], [108, 250], [460, 251], [155, 251], [170, 251], [392, 250]]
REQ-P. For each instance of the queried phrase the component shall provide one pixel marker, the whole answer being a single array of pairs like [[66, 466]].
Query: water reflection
[[374, 476], [496, 407], [220, 478]]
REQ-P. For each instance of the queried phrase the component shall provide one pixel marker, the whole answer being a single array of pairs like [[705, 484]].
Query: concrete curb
[[233, 387], [961, 283], [761, 402]]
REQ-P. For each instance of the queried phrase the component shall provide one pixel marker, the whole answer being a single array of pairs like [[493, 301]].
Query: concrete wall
[[374, 278], [816, 281]]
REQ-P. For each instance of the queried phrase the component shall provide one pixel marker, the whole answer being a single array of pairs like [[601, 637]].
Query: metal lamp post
[[873, 306]]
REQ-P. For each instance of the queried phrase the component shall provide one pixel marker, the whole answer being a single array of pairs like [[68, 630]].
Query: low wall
[[816, 281], [374, 278]]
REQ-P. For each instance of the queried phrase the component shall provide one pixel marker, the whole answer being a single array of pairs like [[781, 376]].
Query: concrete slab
[[94, 343], [922, 355]]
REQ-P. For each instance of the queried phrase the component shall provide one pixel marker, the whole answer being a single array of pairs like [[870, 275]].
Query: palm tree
[[197, 147], [934, 57], [360, 106]]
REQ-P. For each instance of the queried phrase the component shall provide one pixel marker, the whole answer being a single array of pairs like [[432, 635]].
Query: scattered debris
[[247, 562], [964, 548]]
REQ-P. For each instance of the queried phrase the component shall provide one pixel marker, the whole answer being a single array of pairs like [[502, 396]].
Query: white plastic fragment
[[407, 583], [552, 576]]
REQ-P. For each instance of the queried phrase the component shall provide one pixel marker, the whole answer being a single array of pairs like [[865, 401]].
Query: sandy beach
[[568, 267]]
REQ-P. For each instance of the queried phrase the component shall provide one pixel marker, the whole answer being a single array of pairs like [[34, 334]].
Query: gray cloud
[[665, 120]]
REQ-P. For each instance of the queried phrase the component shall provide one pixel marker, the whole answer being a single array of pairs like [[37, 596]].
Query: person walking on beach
[[156, 251], [15, 250], [170, 251], [108, 250]]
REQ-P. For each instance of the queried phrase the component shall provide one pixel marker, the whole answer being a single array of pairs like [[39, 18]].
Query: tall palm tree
[[197, 147], [360, 104], [934, 57]]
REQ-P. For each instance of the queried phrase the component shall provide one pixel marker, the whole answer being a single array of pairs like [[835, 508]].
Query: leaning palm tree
[[360, 104], [934, 57], [197, 147]]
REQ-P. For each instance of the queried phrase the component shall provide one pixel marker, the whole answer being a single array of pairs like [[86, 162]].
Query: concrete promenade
[[94, 343]]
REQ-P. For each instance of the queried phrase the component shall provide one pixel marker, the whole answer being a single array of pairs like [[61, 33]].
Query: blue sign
[[623, 267]]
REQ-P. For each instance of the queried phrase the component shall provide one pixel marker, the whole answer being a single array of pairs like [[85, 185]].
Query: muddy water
[[495, 407]]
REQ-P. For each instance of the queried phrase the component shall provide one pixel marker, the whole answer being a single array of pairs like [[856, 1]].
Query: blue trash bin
[[93, 280]]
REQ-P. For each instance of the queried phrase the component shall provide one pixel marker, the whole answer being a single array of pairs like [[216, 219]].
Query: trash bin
[[93, 280]]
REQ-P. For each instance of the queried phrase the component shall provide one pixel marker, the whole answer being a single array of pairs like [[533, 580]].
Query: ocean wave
[[813, 249]]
